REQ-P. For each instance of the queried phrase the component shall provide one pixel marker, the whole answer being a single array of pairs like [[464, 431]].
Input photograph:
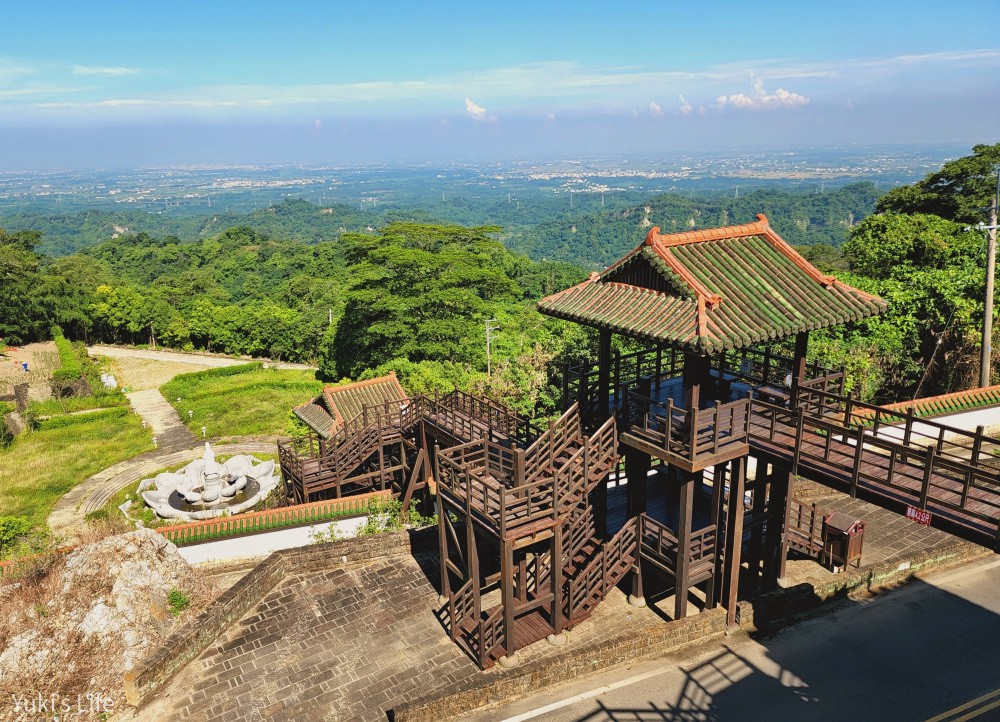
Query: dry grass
[[139, 374], [42, 360]]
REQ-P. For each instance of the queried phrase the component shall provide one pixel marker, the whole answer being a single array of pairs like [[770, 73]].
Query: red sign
[[918, 515]]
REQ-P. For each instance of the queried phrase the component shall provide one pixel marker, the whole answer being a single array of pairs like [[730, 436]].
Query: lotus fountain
[[206, 488]]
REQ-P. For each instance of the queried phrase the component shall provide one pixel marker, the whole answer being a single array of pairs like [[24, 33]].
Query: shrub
[[60, 422], [13, 529], [178, 601]]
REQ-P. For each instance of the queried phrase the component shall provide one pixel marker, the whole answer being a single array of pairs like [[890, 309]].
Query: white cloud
[[760, 99], [318, 123], [655, 110], [102, 70], [685, 108], [476, 112], [550, 117]]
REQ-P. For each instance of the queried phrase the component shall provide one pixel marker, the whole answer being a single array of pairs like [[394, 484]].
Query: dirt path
[[163, 419], [193, 359]]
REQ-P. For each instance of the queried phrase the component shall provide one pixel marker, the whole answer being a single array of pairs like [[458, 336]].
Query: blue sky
[[122, 83]]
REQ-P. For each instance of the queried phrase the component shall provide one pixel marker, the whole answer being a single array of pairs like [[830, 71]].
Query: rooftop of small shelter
[[712, 290], [340, 403]]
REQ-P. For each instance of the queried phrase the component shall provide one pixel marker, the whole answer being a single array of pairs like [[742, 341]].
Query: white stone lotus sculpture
[[206, 488]]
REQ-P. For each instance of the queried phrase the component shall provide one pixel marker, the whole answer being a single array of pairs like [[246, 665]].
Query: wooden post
[[507, 594], [637, 466], [799, 363], [928, 470], [555, 577], [682, 571], [443, 544], [858, 455], [604, 375], [780, 508], [734, 535], [715, 581]]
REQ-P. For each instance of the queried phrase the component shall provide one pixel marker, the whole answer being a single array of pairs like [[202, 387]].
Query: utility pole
[[985, 363], [491, 333]]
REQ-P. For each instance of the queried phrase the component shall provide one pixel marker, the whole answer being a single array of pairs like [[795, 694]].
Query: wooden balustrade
[[899, 461], [692, 439]]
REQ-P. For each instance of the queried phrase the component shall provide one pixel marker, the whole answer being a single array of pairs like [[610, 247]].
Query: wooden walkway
[[962, 498]]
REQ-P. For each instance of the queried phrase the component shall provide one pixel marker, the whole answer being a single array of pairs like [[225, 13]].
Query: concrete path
[[162, 419], [68, 515], [926, 651], [196, 359]]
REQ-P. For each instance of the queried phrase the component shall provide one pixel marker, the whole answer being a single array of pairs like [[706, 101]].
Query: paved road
[[187, 358], [928, 651]]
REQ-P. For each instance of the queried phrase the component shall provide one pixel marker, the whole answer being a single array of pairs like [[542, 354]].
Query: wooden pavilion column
[[599, 498], [799, 363], [604, 376], [696, 375], [734, 535], [777, 516], [787, 489], [507, 594], [686, 481], [637, 466], [714, 585]]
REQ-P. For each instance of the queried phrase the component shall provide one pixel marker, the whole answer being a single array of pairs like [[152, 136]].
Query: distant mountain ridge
[[549, 229]]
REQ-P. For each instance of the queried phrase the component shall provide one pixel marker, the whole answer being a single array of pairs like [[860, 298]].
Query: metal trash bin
[[843, 536]]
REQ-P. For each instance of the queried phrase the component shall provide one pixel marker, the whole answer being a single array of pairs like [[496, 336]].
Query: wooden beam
[[734, 535]]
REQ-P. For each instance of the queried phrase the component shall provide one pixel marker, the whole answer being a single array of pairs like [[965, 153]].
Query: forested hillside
[[548, 227]]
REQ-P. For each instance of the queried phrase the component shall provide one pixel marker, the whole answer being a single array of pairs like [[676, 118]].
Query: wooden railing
[[462, 606], [540, 458], [582, 528], [703, 544], [595, 580], [695, 435], [756, 367], [903, 427], [491, 637], [659, 544], [490, 413], [901, 461], [804, 528]]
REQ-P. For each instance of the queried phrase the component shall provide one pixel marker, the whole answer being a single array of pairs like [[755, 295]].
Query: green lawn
[[246, 400], [41, 466]]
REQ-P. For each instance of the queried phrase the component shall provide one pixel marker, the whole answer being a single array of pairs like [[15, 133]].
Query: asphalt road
[[927, 651]]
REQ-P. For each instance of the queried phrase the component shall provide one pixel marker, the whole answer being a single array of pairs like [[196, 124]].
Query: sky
[[141, 83]]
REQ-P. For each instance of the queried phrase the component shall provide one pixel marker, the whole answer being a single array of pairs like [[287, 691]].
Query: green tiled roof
[[952, 403], [705, 291], [345, 402], [315, 417]]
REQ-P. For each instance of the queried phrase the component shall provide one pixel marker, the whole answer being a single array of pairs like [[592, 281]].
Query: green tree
[[960, 191]]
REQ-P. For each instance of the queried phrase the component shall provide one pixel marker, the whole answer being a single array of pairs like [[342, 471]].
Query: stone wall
[[778, 607], [576, 661], [142, 682]]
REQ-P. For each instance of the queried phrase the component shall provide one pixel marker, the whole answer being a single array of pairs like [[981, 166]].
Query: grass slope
[[246, 400], [39, 467]]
